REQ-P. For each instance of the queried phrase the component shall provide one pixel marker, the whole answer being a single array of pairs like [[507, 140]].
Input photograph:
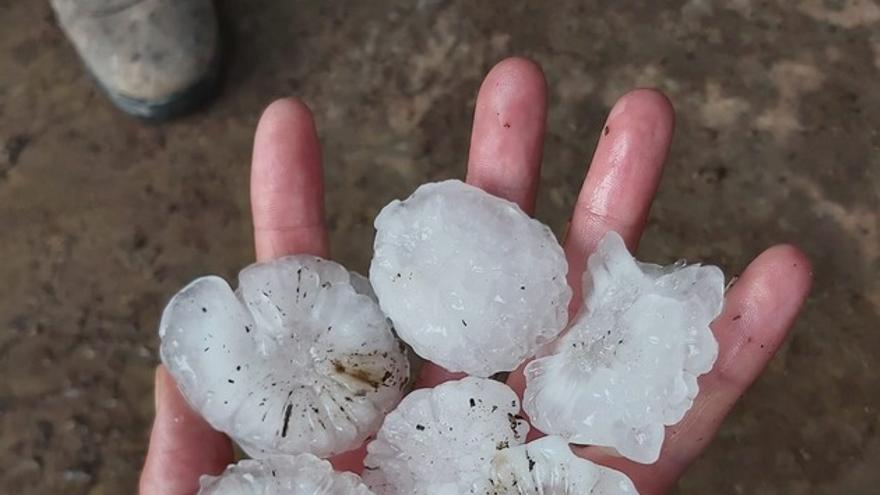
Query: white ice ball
[[629, 364], [442, 440], [470, 281], [303, 474], [466, 437], [548, 466], [295, 360]]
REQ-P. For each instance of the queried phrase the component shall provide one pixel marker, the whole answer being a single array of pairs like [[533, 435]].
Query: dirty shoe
[[154, 58]]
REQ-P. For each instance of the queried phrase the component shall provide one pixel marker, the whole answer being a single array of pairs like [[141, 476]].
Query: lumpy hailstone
[[470, 281], [629, 364], [548, 466], [465, 437], [302, 474], [439, 441], [295, 360]]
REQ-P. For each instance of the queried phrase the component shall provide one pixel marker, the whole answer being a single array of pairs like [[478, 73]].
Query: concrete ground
[[103, 218]]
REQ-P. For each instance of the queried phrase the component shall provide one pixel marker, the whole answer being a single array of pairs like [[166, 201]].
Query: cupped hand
[[505, 159]]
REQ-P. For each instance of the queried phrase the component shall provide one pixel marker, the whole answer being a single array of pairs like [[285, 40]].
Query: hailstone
[[465, 437], [470, 281], [295, 360], [441, 441], [629, 364], [303, 474], [548, 466]]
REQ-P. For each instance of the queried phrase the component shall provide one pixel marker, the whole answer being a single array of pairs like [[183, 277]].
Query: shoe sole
[[176, 105]]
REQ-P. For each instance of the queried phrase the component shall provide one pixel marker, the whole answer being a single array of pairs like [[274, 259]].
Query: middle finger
[[506, 147]]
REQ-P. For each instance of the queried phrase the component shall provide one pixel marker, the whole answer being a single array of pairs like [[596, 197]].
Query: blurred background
[[103, 217]]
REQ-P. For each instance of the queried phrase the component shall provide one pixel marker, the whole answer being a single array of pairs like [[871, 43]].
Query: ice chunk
[[442, 440], [630, 361], [293, 361], [465, 437], [302, 474], [549, 467], [469, 280]]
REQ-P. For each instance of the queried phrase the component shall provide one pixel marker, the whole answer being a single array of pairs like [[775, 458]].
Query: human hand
[[504, 159]]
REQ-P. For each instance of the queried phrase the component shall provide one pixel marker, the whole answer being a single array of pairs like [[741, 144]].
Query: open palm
[[505, 159]]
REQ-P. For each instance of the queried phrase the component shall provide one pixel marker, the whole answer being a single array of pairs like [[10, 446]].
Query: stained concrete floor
[[104, 217]]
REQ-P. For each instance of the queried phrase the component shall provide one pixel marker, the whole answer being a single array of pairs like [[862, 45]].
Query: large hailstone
[[441, 441], [629, 364], [295, 360], [548, 466], [470, 281], [464, 437], [303, 474]]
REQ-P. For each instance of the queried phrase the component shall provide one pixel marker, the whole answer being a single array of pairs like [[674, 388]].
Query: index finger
[[287, 183]]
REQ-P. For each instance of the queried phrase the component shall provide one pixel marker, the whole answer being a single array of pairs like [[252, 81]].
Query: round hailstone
[[303, 474], [471, 282], [548, 466], [441, 441], [629, 363], [295, 360]]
